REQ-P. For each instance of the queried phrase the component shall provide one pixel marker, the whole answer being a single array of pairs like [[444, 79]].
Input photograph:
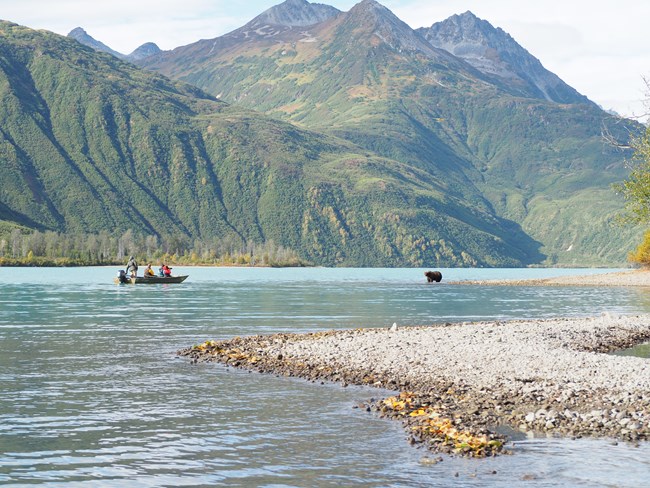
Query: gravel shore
[[464, 386], [636, 277]]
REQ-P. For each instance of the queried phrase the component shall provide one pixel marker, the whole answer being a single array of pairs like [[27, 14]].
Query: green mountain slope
[[89, 143], [365, 76]]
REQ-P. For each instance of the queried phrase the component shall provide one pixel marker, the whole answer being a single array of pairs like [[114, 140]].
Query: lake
[[92, 393]]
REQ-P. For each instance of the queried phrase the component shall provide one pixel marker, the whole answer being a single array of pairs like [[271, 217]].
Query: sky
[[599, 48]]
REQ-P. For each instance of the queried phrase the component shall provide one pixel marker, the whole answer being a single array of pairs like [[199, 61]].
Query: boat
[[158, 279], [150, 280]]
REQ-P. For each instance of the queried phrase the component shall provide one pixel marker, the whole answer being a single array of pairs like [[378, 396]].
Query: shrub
[[641, 255]]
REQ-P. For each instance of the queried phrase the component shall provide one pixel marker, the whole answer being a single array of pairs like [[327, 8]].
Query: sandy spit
[[636, 277], [462, 381]]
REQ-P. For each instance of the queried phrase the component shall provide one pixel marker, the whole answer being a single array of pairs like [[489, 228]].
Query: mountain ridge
[[80, 35], [512, 61], [145, 50], [494, 52]]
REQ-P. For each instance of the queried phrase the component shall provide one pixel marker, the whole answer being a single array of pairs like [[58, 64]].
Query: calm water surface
[[91, 393]]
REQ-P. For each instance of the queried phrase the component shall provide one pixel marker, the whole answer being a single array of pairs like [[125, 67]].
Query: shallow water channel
[[92, 394]]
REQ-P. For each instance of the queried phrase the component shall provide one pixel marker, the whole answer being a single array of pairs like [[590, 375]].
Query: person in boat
[[121, 276], [132, 267], [161, 270], [148, 271], [167, 271]]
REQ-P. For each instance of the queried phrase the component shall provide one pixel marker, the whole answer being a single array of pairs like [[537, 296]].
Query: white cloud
[[125, 24]]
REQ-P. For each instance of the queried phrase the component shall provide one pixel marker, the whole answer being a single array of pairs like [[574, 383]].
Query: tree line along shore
[[34, 248]]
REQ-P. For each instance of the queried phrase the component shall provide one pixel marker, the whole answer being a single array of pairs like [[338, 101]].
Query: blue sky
[[599, 48]]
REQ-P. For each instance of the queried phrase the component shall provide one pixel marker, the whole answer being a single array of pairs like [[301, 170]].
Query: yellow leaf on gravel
[[418, 413]]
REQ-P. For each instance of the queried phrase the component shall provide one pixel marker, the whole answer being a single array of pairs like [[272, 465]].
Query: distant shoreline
[[636, 277], [123, 265]]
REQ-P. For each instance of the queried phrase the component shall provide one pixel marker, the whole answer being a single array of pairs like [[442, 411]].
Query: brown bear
[[433, 276]]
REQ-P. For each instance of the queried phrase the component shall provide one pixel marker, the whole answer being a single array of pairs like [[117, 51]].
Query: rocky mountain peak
[[494, 52], [295, 13], [80, 35], [144, 51], [368, 5], [374, 18], [467, 36]]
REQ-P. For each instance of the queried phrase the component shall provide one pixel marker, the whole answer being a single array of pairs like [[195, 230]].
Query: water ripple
[[92, 394]]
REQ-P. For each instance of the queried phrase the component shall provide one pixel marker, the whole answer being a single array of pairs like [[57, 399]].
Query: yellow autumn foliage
[[431, 423]]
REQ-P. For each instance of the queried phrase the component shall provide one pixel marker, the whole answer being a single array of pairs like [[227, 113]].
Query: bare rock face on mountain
[[495, 53], [284, 17], [144, 51], [371, 16], [295, 13], [287, 18]]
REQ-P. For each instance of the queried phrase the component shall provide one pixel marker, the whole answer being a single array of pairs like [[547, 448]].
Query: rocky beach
[[466, 388], [631, 278]]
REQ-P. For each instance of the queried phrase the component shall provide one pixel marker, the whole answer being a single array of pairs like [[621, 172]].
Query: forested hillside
[[498, 145], [91, 144]]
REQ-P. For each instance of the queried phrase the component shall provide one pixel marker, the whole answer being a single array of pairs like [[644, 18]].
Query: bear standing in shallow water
[[433, 276]]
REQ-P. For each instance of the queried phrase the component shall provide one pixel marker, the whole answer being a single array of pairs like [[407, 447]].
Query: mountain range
[[145, 50], [347, 136]]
